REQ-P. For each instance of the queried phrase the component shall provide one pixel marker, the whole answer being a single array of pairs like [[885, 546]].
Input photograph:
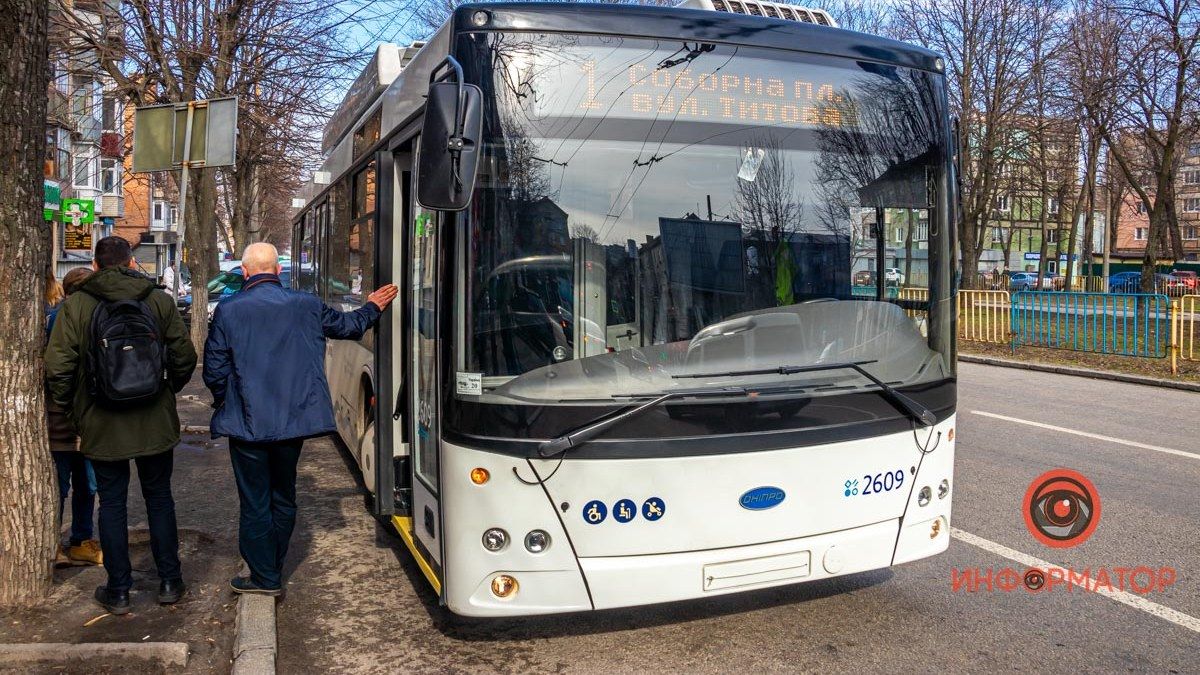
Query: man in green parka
[[111, 435]]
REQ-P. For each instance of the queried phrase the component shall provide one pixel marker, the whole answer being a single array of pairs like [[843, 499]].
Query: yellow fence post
[[1175, 306]]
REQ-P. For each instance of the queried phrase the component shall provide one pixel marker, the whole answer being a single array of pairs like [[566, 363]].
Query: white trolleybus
[[644, 350]]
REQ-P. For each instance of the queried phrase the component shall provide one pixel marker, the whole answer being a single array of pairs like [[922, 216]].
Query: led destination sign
[[724, 94]]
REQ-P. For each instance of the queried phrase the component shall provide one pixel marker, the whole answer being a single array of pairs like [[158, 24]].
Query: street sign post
[[194, 134]]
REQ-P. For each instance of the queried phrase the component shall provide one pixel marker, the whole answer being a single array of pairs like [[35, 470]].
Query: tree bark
[[201, 248], [28, 498]]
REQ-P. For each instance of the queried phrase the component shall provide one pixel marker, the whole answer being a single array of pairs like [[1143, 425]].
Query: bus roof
[[695, 24], [398, 101]]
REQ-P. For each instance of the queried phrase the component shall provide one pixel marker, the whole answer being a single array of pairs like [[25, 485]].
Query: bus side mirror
[[450, 146]]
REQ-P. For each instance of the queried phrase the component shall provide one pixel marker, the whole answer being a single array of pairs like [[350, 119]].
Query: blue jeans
[[266, 480], [154, 473], [75, 473]]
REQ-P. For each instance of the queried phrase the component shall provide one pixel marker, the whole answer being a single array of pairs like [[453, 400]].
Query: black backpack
[[126, 360]]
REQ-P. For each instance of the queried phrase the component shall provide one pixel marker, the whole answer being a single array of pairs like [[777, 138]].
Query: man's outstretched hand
[[383, 296]]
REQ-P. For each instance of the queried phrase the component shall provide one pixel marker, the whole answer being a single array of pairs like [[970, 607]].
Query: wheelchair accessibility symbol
[[594, 512], [653, 508]]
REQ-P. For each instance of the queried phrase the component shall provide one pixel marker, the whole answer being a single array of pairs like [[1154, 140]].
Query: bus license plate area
[[767, 569]]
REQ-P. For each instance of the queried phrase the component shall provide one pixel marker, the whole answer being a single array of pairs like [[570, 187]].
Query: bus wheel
[[366, 457]]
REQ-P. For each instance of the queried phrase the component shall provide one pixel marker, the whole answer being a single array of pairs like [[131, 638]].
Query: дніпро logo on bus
[[1061, 508]]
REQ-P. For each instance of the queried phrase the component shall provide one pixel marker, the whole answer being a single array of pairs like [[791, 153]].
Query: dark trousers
[[75, 473], [266, 480], [112, 481]]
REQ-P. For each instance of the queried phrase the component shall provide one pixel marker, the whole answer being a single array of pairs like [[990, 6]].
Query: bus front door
[[423, 404]]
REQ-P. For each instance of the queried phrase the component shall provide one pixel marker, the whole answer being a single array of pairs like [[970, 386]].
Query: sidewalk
[[206, 508]]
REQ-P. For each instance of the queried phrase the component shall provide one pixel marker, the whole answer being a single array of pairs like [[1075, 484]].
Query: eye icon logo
[[1062, 508]]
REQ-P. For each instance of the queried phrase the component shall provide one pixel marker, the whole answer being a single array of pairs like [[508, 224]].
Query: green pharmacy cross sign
[[78, 216]]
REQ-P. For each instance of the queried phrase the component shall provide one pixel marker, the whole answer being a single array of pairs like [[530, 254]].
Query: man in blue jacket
[[264, 363]]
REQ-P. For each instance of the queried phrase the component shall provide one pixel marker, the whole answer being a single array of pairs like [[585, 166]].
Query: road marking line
[[1085, 434], [1124, 597]]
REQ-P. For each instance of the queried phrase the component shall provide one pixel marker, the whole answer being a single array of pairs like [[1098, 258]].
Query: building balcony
[[112, 206], [112, 144], [58, 108], [87, 128]]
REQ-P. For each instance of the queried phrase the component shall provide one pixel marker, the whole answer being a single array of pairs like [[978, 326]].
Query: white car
[[893, 275]]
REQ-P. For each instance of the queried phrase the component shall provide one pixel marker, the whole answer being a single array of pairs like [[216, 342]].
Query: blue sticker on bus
[[653, 508], [762, 498], [594, 512], [624, 511]]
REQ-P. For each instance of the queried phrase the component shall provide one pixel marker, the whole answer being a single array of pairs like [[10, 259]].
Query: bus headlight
[[924, 496], [943, 488], [495, 539], [537, 541]]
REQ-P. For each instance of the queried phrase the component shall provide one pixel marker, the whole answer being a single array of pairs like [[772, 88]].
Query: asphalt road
[[356, 603]]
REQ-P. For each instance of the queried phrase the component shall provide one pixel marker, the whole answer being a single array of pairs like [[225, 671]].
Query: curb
[[254, 647], [194, 429], [162, 653], [1082, 372]]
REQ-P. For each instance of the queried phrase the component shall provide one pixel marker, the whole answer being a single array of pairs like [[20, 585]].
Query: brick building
[[1133, 222]]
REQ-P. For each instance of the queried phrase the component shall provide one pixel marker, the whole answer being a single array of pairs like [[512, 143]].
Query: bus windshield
[[650, 211]]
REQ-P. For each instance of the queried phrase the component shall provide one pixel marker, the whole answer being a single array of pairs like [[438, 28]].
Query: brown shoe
[[86, 553], [60, 557]]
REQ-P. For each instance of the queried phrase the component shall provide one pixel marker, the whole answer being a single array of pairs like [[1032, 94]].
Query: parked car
[[893, 276], [1131, 282], [1189, 278], [225, 285], [864, 278], [1125, 282], [1022, 281]]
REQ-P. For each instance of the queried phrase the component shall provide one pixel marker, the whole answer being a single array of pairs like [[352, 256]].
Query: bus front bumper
[[637, 580], [626, 581]]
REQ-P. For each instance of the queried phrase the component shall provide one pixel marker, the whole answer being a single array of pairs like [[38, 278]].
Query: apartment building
[[1038, 183], [1133, 221], [85, 143]]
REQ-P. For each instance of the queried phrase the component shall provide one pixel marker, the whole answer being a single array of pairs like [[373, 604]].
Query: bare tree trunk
[[201, 244], [28, 498]]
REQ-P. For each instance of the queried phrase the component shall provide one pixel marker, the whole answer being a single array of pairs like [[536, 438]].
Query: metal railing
[[1126, 324], [1185, 331], [983, 316]]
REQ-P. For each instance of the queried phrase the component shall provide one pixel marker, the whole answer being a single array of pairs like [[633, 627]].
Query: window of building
[[1052, 205], [1190, 232], [1191, 177], [997, 235], [85, 168], [1191, 204], [110, 176], [1053, 236], [1140, 207], [1194, 150], [1139, 234], [111, 114], [1002, 203]]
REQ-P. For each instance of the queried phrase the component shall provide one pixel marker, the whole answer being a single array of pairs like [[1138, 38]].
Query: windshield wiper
[[580, 435], [913, 409]]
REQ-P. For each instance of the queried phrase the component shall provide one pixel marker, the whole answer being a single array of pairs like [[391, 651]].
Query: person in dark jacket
[[75, 475], [264, 363], [111, 436]]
